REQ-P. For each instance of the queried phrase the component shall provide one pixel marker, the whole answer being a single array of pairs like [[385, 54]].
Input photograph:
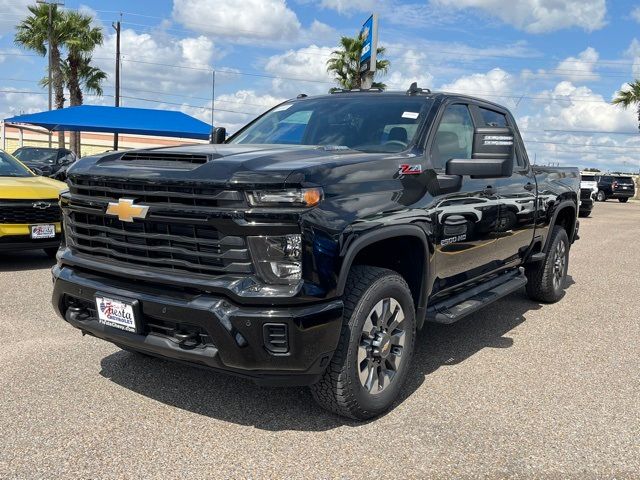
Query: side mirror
[[218, 135], [492, 155]]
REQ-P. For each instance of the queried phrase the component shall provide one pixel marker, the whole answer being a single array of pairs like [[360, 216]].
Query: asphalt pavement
[[519, 390]]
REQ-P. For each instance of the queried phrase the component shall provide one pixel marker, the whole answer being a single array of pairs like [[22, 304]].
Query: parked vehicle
[[310, 246], [588, 192], [29, 211], [50, 162], [612, 186]]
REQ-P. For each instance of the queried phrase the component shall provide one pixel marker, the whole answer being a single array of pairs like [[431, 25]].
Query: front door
[[466, 221]]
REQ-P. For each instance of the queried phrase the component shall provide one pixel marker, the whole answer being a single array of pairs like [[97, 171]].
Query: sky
[[555, 64]]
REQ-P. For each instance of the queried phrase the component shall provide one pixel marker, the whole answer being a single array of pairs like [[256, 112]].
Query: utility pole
[[116, 26], [213, 94], [50, 4]]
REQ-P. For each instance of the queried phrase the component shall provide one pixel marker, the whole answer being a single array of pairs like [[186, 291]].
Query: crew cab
[[309, 247]]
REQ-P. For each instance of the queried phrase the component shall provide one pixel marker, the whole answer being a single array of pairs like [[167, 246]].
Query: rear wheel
[[584, 213], [546, 279], [623, 200], [376, 345], [601, 196]]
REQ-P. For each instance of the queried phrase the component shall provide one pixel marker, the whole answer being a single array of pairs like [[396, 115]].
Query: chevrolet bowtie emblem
[[126, 211]]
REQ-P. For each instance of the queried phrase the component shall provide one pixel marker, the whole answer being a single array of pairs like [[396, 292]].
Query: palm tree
[[32, 33], [345, 63], [82, 42], [628, 97]]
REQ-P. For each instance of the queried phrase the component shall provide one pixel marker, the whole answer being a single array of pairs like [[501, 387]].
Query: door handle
[[529, 186], [489, 190]]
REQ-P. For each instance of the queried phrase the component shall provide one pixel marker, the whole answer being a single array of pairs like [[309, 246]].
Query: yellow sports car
[[29, 211]]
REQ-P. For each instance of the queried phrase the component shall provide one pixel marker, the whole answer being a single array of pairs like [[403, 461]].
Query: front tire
[[584, 213], [601, 196], [376, 345], [546, 279], [623, 200]]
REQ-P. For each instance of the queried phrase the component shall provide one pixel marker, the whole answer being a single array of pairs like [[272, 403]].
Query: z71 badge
[[406, 169]]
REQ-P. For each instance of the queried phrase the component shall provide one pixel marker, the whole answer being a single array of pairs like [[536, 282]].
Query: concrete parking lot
[[518, 390]]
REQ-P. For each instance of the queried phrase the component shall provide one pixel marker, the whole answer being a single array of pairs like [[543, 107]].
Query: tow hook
[[183, 338], [76, 314]]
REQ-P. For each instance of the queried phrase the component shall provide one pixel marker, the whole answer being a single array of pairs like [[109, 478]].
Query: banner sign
[[369, 33]]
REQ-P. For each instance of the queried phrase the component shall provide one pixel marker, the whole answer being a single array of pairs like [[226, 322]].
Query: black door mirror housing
[[480, 168], [491, 157], [218, 135]]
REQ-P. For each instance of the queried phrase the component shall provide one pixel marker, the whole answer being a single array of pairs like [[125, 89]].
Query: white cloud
[[13, 11], [305, 70], [344, 6], [145, 57], [635, 14], [539, 16], [496, 85], [633, 52], [241, 19], [406, 69], [250, 103], [580, 68], [13, 102]]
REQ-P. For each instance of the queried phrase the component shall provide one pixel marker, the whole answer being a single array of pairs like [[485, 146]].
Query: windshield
[[369, 123], [43, 156], [10, 167]]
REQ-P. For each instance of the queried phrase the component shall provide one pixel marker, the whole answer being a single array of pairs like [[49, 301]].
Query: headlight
[[304, 197], [278, 259]]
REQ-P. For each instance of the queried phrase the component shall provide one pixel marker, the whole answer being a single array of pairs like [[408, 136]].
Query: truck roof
[[399, 93]]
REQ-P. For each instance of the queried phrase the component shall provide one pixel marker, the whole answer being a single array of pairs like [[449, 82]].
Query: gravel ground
[[520, 390]]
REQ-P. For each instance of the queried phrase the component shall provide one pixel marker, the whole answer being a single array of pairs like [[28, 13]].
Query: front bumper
[[231, 338], [17, 237]]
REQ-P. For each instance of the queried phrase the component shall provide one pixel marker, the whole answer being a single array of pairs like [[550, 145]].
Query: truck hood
[[30, 188], [231, 165]]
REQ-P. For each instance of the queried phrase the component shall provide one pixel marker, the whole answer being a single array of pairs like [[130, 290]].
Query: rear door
[[466, 220]]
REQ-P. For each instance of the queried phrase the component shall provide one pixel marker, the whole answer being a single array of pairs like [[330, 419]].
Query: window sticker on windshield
[[411, 115], [281, 108]]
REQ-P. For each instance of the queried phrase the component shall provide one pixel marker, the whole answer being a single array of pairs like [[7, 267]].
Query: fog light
[[278, 259]]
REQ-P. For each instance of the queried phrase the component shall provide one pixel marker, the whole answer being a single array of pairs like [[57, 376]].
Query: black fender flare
[[386, 233], [561, 206]]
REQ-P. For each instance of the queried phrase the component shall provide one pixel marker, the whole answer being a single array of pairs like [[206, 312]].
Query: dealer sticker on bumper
[[43, 231], [116, 314]]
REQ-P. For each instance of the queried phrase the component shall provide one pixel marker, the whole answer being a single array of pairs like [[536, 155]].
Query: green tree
[[79, 72], [344, 63], [629, 97], [32, 33]]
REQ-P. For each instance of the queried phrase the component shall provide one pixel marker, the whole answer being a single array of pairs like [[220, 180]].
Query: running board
[[454, 308]]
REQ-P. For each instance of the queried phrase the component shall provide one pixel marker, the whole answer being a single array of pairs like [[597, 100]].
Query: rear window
[[493, 119], [588, 178], [624, 180]]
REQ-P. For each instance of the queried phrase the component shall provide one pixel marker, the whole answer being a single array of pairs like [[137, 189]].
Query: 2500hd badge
[[310, 246]]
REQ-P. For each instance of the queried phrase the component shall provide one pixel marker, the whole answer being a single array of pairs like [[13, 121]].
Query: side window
[[454, 137], [493, 119]]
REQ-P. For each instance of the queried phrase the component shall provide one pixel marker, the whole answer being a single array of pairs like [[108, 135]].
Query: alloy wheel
[[559, 265], [380, 352]]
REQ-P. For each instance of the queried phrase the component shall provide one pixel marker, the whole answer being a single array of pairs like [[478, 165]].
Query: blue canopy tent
[[137, 121]]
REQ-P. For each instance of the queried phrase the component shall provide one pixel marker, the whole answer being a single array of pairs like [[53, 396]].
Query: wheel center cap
[[382, 345]]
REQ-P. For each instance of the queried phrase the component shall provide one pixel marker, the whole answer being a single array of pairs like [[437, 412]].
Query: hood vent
[[156, 157]]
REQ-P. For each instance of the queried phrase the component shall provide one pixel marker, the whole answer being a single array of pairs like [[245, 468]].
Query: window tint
[[588, 178], [493, 119], [454, 137]]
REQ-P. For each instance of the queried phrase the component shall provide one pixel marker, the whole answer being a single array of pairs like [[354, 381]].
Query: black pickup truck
[[310, 246]]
